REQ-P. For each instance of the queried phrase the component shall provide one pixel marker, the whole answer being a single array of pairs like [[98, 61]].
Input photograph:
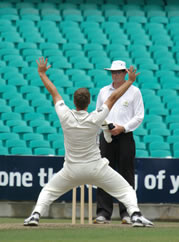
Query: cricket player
[[83, 163]]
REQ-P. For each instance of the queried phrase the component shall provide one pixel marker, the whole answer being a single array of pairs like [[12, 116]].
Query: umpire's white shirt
[[80, 128], [128, 111]]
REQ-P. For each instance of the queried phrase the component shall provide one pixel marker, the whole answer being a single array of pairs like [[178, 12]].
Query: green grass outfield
[[53, 230]]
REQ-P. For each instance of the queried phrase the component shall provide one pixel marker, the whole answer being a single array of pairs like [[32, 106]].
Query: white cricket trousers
[[97, 173]]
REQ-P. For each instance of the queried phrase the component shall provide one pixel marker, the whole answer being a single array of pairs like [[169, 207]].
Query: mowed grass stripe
[[52, 230]]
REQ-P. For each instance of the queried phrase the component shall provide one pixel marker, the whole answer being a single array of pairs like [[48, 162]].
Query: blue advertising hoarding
[[22, 178]]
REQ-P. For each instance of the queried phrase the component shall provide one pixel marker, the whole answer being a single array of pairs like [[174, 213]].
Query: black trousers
[[121, 154]]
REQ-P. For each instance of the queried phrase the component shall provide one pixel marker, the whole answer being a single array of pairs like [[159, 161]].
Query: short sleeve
[[61, 110]]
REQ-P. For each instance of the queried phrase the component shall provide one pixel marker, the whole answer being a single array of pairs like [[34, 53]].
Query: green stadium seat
[[174, 19], [83, 65], [173, 139], [140, 131], [71, 11], [141, 153], [17, 81], [15, 122], [152, 125], [62, 64], [48, 46], [44, 151], [37, 123], [39, 143], [170, 66], [73, 17], [152, 85], [67, 5], [71, 46], [46, 5], [55, 137], [8, 136], [137, 19], [32, 136], [96, 72], [20, 5], [8, 10], [158, 110], [91, 12], [71, 53], [33, 116], [61, 152], [32, 17], [24, 11], [86, 6], [140, 145], [165, 93], [152, 137], [153, 12], [26, 45], [175, 110], [95, 18], [51, 14], [4, 129], [15, 143], [162, 131], [46, 130], [22, 129], [171, 85], [176, 154], [21, 151], [148, 66], [6, 5], [159, 19], [97, 60], [10, 116], [157, 145], [172, 119], [174, 126], [9, 94], [58, 144], [23, 109], [3, 151], [86, 83], [11, 17], [4, 109], [160, 153]]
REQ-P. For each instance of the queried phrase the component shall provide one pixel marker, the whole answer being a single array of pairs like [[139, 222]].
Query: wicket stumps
[[82, 204]]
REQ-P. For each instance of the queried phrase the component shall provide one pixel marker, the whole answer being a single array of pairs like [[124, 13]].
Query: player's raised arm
[[122, 89], [42, 68]]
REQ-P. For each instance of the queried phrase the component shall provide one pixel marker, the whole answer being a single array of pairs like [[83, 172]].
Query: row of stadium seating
[[80, 38]]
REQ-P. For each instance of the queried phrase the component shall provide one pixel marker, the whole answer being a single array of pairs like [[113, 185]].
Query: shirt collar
[[111, 87]]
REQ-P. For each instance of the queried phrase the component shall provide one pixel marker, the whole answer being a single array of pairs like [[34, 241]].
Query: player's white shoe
[[140, 221], [33, 220]]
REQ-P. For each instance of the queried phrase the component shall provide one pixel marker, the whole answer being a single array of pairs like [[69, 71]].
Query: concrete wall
[[64, 210]]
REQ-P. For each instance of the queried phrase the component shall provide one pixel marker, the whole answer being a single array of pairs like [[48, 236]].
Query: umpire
[[126, 115]]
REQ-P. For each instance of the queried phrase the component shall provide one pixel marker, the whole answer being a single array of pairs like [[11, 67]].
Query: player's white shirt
[[80, 129]]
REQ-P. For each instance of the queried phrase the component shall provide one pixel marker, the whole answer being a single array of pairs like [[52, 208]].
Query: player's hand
[[132, 73], [42, 65]]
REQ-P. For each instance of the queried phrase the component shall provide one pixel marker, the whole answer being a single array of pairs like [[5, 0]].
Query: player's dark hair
[[81, 98]]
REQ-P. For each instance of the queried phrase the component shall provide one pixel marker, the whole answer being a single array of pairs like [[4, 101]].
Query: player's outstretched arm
[[122, 89], [42, 68]]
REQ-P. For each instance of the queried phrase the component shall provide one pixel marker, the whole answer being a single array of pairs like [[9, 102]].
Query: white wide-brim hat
[[117, 65]]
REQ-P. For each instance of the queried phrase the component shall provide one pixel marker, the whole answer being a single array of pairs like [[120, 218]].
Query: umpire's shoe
[[33, 220], [101, 220], [139, 221]]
